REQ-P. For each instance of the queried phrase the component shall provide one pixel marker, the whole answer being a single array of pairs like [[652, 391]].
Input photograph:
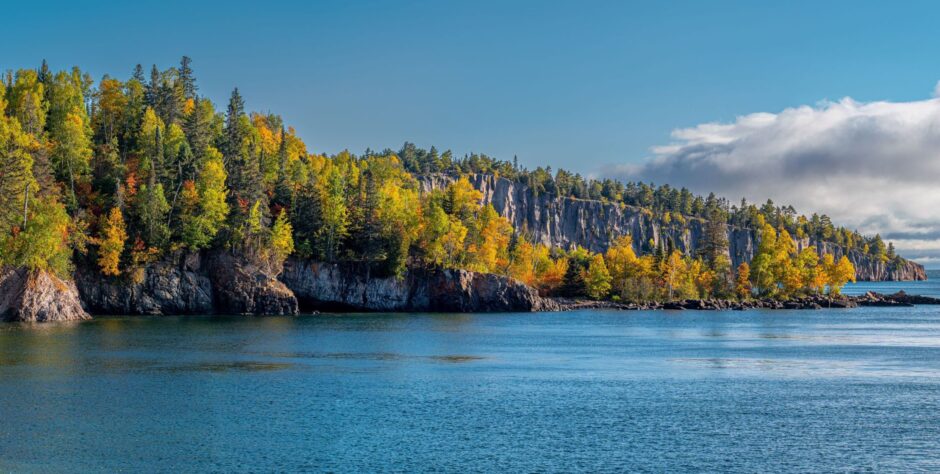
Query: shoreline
[[817, 302], [814, 302]]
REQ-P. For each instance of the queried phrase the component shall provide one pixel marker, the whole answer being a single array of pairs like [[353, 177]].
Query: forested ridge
[[117, 174]]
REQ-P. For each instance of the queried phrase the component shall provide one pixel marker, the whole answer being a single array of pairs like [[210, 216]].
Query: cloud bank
[[872, 166]]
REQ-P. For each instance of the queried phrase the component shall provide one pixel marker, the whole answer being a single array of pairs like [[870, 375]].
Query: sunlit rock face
[[38, 296], [563, 222]]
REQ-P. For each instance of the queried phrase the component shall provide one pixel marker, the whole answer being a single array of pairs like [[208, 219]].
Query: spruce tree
[[186, 79], [139, 74]]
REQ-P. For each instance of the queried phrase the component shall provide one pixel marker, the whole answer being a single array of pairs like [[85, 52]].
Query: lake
[[658, 391]]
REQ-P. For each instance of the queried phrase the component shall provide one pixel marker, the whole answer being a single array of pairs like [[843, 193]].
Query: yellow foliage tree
[[111, 244], [838, 273], [597, 278], [282, 240], [622, 263]]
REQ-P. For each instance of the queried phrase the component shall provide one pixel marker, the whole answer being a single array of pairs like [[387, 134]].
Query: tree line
[[119, 173]]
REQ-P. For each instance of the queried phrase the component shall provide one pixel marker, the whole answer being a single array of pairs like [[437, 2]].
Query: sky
[[825, 105]]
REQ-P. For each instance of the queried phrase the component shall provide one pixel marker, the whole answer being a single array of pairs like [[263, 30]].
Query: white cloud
[[871, 166]]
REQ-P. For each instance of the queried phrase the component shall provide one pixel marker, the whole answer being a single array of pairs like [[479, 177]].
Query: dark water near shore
[[830, 390]]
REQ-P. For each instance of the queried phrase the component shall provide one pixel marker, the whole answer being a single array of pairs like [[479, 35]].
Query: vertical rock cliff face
[[564, 222], [182, 283], [174, 285], [38, 296], [332, 286]]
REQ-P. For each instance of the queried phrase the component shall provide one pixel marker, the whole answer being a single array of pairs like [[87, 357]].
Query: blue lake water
[[820, 391]]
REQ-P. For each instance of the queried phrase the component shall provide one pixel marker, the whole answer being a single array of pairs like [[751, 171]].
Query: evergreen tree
[[139, 74], [186, 79]]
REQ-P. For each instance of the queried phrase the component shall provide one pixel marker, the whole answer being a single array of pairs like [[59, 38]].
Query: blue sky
[[572, 84], [748, 95]]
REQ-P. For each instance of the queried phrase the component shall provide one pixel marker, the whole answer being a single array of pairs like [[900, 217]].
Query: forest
[[116, 174]]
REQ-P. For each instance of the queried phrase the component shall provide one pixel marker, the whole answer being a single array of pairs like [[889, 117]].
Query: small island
[[141, 196]]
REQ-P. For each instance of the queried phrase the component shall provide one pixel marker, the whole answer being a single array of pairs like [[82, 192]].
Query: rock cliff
[[175, 285], [564, 222], [241, 287], [183, 283], [219, 283], [333, 286], [38, 296]]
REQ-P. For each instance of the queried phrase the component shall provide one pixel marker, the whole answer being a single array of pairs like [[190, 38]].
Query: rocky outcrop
[[350, 287], [38, 296], [241, 287], [563, 222], [187, 283], [174, 285]]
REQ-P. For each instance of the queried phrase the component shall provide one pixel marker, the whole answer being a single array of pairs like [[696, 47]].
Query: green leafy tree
[[204, 206], [151, 209], [597, 278]]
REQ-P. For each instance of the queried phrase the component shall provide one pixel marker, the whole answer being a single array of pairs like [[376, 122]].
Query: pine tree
[[152, 89], [138, 74], [45, 75], [198, 126], [187, 81]]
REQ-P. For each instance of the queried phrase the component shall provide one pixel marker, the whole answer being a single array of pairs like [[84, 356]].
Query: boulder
[[38, 296]]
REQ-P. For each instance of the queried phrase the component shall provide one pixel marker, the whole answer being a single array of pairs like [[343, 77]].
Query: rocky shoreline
[[809, 302], [221, 283]]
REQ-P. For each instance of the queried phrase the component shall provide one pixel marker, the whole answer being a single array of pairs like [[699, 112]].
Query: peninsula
[[141, 196]]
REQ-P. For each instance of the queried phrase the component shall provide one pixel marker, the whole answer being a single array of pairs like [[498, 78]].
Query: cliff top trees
[[204, 208], [44, 243]]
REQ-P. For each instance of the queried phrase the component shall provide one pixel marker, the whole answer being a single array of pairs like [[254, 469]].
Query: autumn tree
[[111, 242], [763, 264], [204, 208], [839, 273], [282, 240], [742, 285], [43, 243], [597, 278], [72, 152]]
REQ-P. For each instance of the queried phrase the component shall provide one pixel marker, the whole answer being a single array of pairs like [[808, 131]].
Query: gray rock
[[38, 296], [175, 285], [345, 287], [241, 287], [183, 283]]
